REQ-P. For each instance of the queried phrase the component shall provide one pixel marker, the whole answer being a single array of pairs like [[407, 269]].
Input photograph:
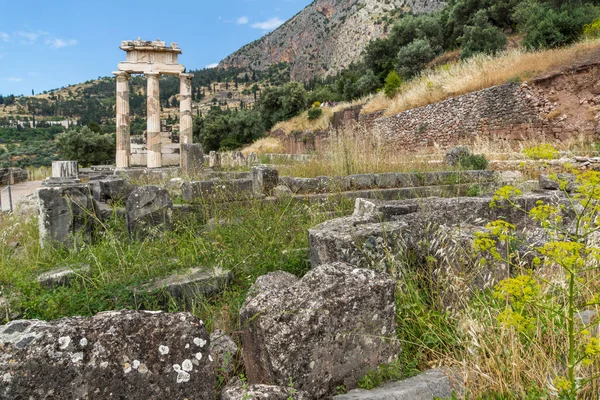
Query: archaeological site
[[371, 200]]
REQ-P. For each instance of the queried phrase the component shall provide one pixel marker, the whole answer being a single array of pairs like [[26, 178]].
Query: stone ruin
[[153, 59]]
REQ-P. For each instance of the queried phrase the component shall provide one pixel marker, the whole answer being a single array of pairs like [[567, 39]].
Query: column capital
[[152, 74], [186, 76], [121, 74]]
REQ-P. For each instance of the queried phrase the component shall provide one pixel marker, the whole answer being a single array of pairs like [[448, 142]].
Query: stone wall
[[12, 176], [508, 111], [301, 142]]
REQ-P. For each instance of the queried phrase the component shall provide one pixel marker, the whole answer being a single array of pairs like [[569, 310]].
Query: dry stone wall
[[508, 111]]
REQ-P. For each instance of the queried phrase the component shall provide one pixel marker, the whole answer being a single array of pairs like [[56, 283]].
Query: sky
[[47, 44]]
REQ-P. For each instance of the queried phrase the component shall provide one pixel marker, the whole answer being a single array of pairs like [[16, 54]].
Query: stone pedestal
[[153, 114], [214, 159], [264, 180], [185, 108], [192, 157], [65, 169], [123, 121]]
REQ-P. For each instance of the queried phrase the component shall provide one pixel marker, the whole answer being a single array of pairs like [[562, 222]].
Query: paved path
[[18, 192]]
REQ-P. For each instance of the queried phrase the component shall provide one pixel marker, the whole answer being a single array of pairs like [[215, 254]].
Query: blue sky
[[46, 44]]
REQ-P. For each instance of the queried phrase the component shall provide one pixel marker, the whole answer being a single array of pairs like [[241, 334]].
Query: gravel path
[[18, 192]]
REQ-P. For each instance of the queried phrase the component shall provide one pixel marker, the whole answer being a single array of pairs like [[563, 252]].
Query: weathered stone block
[[62, 276], [217, 190], [429, 385], [264, 180], [324, 330], [65, 214], [224, 352], [550, 183], [214, 159], [129, 354], [111, 189], [192, 157], [237, 391], [193, 284], [65, 169], [149, 211]]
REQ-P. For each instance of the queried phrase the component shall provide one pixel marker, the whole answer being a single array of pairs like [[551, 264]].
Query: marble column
[[154, 140], [123, 121], [185, 109]]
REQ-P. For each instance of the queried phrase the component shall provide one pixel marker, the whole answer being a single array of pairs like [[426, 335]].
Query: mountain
[[325, 37]]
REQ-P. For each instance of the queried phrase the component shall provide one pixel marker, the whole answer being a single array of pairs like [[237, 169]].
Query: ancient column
[[153, 141], [185, 108], [123, 133]]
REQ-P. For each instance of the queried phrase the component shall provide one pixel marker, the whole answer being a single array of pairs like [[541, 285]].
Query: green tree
[[412, 58], [281, 103], [548, 26], [392, 84], [86, 146], [481, 37]]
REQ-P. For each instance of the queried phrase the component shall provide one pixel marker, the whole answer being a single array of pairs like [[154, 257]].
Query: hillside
[[325, 37]]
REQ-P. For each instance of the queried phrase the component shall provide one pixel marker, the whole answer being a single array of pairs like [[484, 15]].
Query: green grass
[[251, 247]]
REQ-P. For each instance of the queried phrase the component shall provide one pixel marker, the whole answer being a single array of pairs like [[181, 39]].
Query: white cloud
[[28, 37], [215, 65], [242, 20], [13, 79], [4, 37], [268, 25], [58, 43]]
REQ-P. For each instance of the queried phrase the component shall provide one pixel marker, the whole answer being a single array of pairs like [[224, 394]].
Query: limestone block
[[192, 157], [149, 211], [214, 159], [429, 385], [237, 391], [62, 276], [322, 331], [219, 191], [110, 189], [548, 183], [193, 284], [65, 169], [264, 180], [224, 352], [145, 355], [65, 214]]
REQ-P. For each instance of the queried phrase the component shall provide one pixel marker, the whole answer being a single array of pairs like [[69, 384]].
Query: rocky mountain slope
[[325, 37]]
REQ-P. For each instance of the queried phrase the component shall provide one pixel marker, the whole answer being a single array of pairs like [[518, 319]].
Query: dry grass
[[477, 73], [357, 151], [302, 123], [265, 145]]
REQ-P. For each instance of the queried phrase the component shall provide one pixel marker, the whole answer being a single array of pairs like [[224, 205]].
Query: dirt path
[[18, 192]]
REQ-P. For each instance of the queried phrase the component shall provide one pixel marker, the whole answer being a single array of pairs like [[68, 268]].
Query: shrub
[[392, 84], [474, 162], [86, 146], [543, 151], [592, 31], [546, 26], [412, 58], [481, 37], [314, 113]]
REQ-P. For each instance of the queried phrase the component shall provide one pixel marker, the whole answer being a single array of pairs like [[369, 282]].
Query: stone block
[[264, 180], [429, 385], [128, 354], [214, 160], [238, 391], [192, 157], [282, 192], [66, 214], [224, 352], [62, 276], [218, 190], [193, 284], [554, 183], [149, 211], [65, 169], [110, 189], [322, 331]]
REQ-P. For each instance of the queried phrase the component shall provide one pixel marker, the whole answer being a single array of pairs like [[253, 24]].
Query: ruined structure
[[150, 59]]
